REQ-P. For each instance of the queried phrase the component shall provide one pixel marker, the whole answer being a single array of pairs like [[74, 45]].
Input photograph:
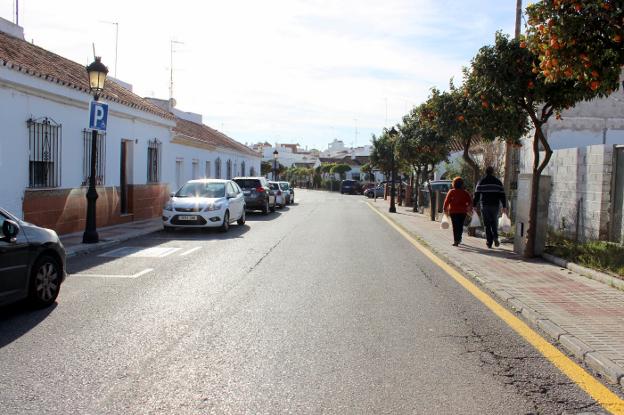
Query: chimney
[[11, 29]]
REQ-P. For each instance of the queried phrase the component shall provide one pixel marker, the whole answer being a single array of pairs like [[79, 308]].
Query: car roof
[[208, 181]]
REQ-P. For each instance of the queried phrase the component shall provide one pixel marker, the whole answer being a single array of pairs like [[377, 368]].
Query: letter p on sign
[[98, 116]]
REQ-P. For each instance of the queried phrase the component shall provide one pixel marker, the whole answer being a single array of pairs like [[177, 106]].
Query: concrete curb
[[604, 366], [586, 272], [72, 251]]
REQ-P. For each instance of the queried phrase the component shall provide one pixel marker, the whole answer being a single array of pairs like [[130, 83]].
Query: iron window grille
[[218, 168], [154, 154], [252, 171], [100, 162], [195, 169], [44, 153], [243, 168], [207, 172], [228, 169]]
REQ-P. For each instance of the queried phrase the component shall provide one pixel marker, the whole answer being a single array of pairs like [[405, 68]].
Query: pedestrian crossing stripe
[[600, 393]]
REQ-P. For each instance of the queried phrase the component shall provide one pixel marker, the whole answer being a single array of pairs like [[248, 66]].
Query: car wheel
[[265, 208], [292, 200], [225, 226], [45, 281], [272, 208], [241, 220]]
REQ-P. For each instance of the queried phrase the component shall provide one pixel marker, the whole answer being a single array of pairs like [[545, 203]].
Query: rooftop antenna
[[116, 41], [173, 42], [93, 45], [17, 12]]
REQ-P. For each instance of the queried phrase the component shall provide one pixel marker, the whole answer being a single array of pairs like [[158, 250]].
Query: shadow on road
[[18, 319]]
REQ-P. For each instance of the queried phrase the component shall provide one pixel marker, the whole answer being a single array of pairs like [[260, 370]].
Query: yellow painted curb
[[600, 393]]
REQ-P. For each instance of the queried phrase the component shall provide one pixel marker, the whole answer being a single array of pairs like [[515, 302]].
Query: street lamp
[[275, 154], [393, 133], [97, 76]]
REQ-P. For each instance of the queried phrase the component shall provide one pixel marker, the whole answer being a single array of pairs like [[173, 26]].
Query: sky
[[286, 71]]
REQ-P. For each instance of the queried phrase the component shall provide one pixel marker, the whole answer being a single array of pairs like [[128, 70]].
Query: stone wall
[[581, 191]]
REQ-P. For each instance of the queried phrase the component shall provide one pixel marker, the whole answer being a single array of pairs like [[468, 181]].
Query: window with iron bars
[[243, 168], [228, 169], [218, 168], [100, 161], [154, 155], [44, 148]]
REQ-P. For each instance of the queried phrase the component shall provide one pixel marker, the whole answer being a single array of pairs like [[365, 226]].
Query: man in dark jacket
[[489, 195]]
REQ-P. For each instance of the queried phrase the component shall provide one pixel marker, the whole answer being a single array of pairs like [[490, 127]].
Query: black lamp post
[[393, 134], [275, 154], [97, 76]]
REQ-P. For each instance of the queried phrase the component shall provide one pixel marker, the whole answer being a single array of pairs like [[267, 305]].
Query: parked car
[[374, 192], [32, 262], [289, 191], [437, 185], [258, 194], [280, 197], [348, 186], [205, 203]]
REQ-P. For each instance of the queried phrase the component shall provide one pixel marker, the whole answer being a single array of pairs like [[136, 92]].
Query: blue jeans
[[489, 214]]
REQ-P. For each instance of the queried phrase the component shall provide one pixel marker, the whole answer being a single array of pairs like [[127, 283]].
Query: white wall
[[23, 96]]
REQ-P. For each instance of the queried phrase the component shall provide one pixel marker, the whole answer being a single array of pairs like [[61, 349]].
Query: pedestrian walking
[[457, 205], [489, 197]]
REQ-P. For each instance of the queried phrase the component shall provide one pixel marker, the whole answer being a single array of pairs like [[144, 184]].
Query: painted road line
[[190, 251], [137, 275], [140, 252], [600, 393]]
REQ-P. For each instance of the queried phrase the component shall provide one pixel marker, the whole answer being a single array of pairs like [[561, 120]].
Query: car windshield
[[284, 186], [248, 183], [202, 189]]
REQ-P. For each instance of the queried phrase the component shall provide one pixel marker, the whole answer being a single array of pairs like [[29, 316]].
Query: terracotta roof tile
[[19, 55], [209, 135]]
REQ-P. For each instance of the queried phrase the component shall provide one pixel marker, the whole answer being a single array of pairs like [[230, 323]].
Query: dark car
[[32, 262], [349, 186], [257, 192]]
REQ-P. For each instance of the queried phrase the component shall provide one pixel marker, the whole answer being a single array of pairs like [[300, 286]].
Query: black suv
[[32, 262], [257, 192], [349, 186]]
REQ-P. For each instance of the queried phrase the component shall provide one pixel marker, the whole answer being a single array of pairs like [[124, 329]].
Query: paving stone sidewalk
[[583, 316], [110, 235]]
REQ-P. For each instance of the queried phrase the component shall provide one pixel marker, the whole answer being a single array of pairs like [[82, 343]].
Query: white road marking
[[190, 251], [139, 252], [137, 275]]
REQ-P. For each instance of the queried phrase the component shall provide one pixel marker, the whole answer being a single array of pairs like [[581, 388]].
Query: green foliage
[[578, 41], [340, 169], [460, 168], [599, 255], [383, 152], [265, 168]]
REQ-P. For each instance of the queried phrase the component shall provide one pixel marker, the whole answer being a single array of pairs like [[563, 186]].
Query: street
[[320, 307]]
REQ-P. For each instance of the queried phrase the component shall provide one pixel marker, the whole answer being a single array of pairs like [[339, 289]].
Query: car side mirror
[[9, 230], [171, 194], [231, 196]]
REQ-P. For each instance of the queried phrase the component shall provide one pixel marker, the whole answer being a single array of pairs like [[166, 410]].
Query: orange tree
[[505, 75], [419, 146], [382, 153], [578, 40]]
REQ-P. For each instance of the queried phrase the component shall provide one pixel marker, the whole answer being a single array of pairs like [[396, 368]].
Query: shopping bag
[[444, 223], [504, 223], [475, 222]]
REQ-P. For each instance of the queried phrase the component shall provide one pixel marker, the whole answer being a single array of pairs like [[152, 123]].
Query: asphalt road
[[318, 308]]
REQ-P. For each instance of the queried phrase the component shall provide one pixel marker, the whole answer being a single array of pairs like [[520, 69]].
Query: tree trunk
[[473, 165], [538, 167]]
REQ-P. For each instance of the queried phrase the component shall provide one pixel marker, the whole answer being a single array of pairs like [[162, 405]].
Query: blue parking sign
[[98, 116]]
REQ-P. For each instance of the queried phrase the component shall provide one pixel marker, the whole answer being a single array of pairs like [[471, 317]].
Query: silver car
[[205, 203]]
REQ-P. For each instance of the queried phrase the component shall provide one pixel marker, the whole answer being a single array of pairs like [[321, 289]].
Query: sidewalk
[[110, 235], [583, 316]]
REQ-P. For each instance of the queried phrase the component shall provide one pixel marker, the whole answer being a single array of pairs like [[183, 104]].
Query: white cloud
[[296, 70]]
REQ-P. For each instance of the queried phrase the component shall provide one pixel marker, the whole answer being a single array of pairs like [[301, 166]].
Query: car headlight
[[168, 206], [213, 206]]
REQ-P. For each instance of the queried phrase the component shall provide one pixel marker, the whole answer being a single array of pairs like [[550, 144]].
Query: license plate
[[187, 217], [246, 192]]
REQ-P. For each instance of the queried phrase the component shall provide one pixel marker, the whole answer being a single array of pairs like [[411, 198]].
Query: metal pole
[[90, 234], [116, 45], [392, 188]]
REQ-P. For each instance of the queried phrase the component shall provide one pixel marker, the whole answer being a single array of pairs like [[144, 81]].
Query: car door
[[240, 198], [233, 201], [14, 257]]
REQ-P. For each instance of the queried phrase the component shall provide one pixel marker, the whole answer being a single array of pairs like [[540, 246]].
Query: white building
[[45, 144]]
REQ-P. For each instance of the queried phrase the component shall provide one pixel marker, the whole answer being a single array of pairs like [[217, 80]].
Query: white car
[[280, 196], [205, 203], [288, 191]]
